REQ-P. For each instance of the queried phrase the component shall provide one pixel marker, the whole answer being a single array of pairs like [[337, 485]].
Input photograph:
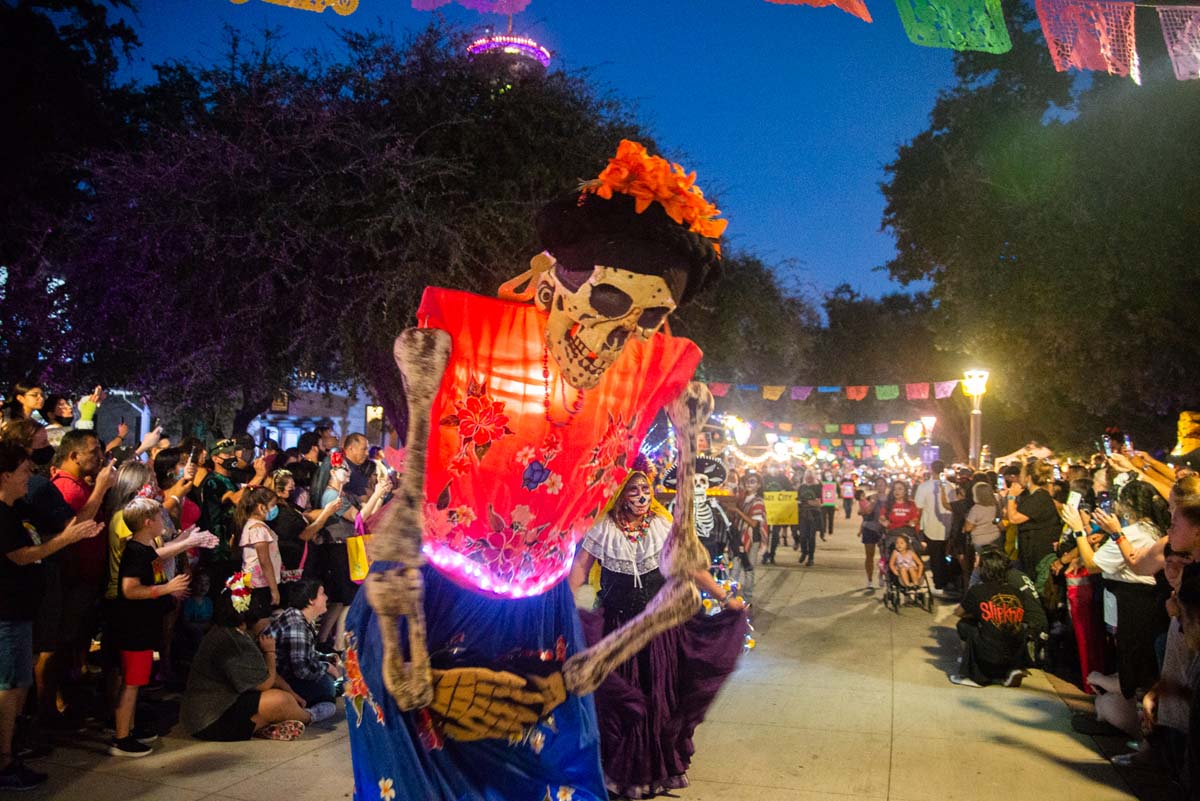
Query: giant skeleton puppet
[[711, 523], [466, 672]]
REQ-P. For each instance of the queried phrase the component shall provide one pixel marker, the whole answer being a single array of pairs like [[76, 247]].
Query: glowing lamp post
[[974, 385]]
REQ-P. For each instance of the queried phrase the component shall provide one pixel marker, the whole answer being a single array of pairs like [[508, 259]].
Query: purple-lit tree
[[279, 220]]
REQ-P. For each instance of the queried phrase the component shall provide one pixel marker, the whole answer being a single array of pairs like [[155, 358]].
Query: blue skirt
[[401, 755]]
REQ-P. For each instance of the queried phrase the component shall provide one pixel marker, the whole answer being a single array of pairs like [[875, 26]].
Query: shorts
[[136, 667], [80, 613], [870, 537], [236, 723], [16, 654]]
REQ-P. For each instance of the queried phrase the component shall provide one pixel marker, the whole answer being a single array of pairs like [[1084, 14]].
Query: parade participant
[[649, 707], [712, 524], [751, 513], [847, 491], [808, 495], [872, 508], [829, 499], [521, 415]]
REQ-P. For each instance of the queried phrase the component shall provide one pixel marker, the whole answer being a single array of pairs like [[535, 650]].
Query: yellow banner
[[781, 508]]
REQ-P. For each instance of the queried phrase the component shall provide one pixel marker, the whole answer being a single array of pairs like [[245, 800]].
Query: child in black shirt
[[142, 603]]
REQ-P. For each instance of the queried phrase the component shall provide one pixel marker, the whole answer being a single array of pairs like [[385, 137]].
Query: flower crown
[[238, 586], [648, 179]]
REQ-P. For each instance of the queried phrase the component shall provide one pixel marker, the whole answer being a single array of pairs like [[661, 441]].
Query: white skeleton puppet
[[712, 524], [609, 275]]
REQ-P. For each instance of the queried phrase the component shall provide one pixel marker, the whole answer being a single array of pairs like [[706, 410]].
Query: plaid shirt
[[295, 651]]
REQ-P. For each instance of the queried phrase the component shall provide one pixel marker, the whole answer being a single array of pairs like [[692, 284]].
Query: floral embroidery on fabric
[[387, 790], [514, 548], [607, 466], [564, 793], [480, 422], [357, 693]]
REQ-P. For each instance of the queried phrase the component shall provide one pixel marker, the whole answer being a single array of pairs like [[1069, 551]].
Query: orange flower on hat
[[652, 179]]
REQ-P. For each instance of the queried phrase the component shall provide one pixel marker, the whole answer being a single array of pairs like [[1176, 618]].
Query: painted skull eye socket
[[653, 317], [610, 301]]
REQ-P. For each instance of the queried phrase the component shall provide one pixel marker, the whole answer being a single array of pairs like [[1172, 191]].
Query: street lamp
[[974, 385]]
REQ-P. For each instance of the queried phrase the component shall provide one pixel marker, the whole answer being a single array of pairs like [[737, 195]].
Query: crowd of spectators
[[134, 578]]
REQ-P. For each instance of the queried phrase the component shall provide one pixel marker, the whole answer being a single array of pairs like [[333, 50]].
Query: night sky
[[787, 113]]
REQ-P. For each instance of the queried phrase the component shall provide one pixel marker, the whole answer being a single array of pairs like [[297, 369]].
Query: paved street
[[842, 700]]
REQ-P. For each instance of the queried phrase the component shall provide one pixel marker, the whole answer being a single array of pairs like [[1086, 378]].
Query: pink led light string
[[482, 6]]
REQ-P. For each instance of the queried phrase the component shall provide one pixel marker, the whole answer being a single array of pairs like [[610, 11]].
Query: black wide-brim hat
[[710, 467], [582, 230]]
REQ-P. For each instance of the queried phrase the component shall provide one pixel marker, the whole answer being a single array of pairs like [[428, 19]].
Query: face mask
[[64, 421], [42, 456], [272, 513]]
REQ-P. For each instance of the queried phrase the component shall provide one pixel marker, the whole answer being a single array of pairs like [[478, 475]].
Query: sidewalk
[[841, 700]]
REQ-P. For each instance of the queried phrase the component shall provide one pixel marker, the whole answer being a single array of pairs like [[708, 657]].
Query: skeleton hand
[[477, 703]]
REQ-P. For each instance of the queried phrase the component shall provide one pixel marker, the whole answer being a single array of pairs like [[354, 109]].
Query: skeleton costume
[[520, 418], [712, 524], [649, 707]]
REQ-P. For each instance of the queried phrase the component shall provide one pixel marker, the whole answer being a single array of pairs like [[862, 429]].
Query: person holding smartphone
[[1029, 505]]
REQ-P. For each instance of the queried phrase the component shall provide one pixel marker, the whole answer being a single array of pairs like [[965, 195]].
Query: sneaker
[[870, 588], [1014, 678], [128, 747], [287, 730], [963, 681], [17, 777], [144, 735], [322, 712]]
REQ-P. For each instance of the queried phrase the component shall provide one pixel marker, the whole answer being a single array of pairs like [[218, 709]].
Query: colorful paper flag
[[887, 391], [831, 428], [772, 392], [863, 428], [917, 391], [944, 389], [1090, 36], [1181, 30], [882, 428], [856, 7], [847, 428], [747, 387], [857, 393], [801, 393], [828, 390], [785, 426], [837, 443], [958, 24]]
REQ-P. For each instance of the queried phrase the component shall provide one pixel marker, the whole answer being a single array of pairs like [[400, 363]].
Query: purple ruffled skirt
[[649, 707]]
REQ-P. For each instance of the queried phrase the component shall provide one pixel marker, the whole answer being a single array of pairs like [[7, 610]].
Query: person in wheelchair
[[905, 563]]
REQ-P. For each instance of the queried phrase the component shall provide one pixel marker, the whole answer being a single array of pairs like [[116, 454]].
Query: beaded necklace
[[635, 531]]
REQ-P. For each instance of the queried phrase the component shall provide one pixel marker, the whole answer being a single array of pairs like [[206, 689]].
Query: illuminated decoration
[[782, 449], [890, 450], [1181, 30], [855, 7], [928, 422], [509, 44], [956, 24], [340, 7], [509, 493], [913, 432], [1090, 36], [482, 6]]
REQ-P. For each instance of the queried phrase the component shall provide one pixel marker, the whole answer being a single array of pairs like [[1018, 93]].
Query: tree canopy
[[1057, 224]]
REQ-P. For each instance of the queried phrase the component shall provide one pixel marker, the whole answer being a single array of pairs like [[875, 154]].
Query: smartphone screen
[[1073, 499], [1128, 444], [1000, 485], [1107, 440]]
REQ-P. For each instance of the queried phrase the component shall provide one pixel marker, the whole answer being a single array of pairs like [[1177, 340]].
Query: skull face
[[592, 316], [701, 484]]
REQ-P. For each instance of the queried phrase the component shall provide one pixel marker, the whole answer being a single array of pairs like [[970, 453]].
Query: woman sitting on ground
[[992, 626], [233, 691], [308, 671]]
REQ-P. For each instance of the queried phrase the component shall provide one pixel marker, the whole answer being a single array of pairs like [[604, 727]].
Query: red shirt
[[85, 561], [902, 514]]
